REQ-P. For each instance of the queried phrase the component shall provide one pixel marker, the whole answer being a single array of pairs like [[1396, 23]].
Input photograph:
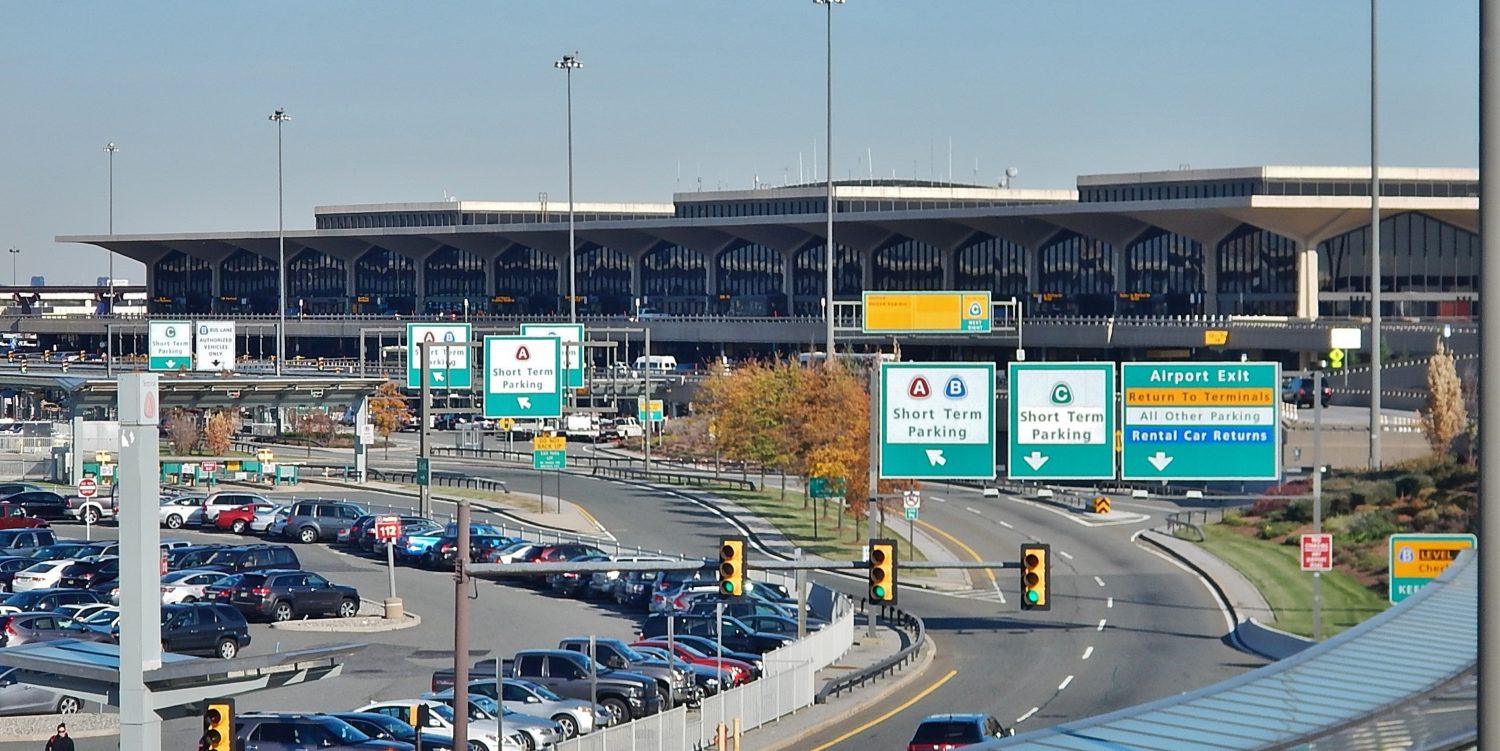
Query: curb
[[908, 677], [1234, 634], [359, 624]]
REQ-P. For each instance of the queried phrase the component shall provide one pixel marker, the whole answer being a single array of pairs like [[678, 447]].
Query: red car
[[13, 516], [237, 520], [739, 671]]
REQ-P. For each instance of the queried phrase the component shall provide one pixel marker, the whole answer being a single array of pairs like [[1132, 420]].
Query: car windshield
[[343, 730], [544, 692], [947, 731], [442, 710], [102, 617], [485, 704], [226, 555], [177, 576]]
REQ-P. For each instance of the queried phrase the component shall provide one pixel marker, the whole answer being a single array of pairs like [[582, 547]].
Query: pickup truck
[[90, 510], [674, 686], [626, 428], [626, 695], [13, 516]]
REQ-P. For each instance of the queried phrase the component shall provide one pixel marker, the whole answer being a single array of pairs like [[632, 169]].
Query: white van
[[655, 364]]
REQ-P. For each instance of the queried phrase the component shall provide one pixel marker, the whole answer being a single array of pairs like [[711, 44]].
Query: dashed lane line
[[1087, 653], [1109, 603], [1101, 625], [973, 510], [1065, 683], [1028, 715], [1065, 554], [1098, 581]]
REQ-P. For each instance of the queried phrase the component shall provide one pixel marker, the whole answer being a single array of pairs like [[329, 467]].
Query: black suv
[[243, 558], [289, 731], [51, 599], [283, 595], [202, 628], [1299, 391], [737, 636], [90, 574]]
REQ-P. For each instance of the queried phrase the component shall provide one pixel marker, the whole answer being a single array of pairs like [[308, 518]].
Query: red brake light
[[262, 591]]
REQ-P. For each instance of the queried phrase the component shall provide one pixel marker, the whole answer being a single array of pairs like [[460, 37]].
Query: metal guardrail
[[670, 478], [443, 479], [914, 625], [583, 460]]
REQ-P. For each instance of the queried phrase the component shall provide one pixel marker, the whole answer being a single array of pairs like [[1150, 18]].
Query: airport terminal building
[[1280, 241]]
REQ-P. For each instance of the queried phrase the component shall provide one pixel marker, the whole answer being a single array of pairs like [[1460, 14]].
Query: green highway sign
[[1416, 559], [937, 420], [521, 377], [557, 460], [911, 514], [648, 410], [447, 367], [424, 471], [1201, 421], [825, 487], [169, 345], [573, 356], [1062, 421]]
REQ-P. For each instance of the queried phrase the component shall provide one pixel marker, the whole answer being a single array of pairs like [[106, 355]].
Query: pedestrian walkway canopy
[[1390, 682], [86, 391]]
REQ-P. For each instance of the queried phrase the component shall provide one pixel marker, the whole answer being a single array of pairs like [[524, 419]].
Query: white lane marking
[[1101, 625], [1006, 525], [939, 500], [1065, 683], [998, 593], [1087, 653], [1065, 554], [1028, 715], [973, 510], [1098, 581], [1109, 603], [1223, 606]]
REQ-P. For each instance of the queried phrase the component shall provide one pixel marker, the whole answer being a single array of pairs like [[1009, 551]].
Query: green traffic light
[[1032, 596], [729, 587], [880, 592]]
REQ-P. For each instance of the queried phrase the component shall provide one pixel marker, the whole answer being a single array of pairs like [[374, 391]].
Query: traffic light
[[218, 726], [1036, 575], [883, 571], [418, 716], [732, 566]]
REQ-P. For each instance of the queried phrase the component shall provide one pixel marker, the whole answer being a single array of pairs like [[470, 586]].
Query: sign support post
[[1317, 582], [424, 492]]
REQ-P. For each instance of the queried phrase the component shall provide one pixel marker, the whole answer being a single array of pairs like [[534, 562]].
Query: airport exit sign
[[1201, 421]]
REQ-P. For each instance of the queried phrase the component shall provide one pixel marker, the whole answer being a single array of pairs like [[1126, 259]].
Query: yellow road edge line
[[961, 544], [888, 715], [589, 516]]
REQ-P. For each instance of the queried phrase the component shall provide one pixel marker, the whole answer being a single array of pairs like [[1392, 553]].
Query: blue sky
[[406, 101]]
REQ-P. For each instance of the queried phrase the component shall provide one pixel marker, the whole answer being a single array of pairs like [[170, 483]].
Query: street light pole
[[828, 255], [111, 149], [13, 253], [567, 64], [1374, 249], [280, 116]]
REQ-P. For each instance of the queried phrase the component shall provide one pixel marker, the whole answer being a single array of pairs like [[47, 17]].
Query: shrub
[[1414, 484], [1268, 507], [1233, 519], [1372, 526], [1298, 511], [1337, 505], [1374, 493], [1425, 519], [1273, 530], [1452, 511]]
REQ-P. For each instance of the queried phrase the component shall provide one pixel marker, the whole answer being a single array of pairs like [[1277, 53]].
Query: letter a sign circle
[[919, 388], [522, 353]]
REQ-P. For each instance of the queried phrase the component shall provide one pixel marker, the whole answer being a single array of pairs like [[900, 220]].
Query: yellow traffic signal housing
[[883, 571], [732, 566], [418, 716], [1036, 576], [218, 726]]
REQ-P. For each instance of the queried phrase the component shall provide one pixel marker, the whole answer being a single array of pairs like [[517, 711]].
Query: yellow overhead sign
[[1215, 338], [549, 443], [927, 312]]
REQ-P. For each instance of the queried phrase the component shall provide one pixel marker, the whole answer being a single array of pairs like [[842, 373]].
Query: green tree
[[1445, 417]]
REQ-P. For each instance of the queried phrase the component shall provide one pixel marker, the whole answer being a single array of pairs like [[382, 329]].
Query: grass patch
[[1275, 570], [796, 524]]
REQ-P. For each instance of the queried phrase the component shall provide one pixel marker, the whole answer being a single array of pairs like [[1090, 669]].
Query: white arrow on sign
[[1036, 459], [524, 401], [935, 457], [171, 363], [437, 376], [1160, 460]]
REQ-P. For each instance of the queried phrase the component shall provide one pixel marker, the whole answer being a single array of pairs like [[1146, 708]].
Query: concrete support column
[[1121, 267], [789, 280], [867, 271], [1210, 278], [139, 408], [216, 268], [421, 290], [950, 268], [1032, 258], [637, 275], [1307, 279], [711, 283], [349, 283]]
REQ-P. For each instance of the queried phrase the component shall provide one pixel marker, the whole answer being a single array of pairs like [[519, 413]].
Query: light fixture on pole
[[111, 149], [280, 116], [828, 246], [14, 252], [567, 64]]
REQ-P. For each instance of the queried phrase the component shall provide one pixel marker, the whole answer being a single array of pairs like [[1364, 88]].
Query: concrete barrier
[[1269, 641]]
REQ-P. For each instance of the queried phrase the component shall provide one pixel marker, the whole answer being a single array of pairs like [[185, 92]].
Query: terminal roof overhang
[[91, 671], [206, 392], [1305, 219]]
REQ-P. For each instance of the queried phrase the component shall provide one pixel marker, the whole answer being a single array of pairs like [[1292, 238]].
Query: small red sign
[[522, 353], [919, 388], [387, 528], [163, 563], [88, 487], [210, 466], [1317, 552]]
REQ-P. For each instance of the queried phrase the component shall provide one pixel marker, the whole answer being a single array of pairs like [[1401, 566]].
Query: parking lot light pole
[[111, 149], [828, 255], [568, 64], [279, 117]]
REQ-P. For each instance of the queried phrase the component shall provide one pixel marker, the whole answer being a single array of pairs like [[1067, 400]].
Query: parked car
[[633, 589], [415, 546], [284, 595], [91, 510], [214, 503], [602, 584], [736, 636], [40, 575], [410, 525], [1299, 391], [14, 516], [9, 566], [190, 585], [444, 551], [238, 519], [573, 583], [710, 648], [242, 558], [179, 511], [311, 521], [23, 698], [440, 718], [39, 600], [295, 731], [383, 727], [538, 732], [627, 695], [202, 627], [29, 628], [8, 489], [739, 671], [575, 716], [941, 732], [567, 551], [708, 678], [42, 504], [519, 551], [82, 611], [69, 549], [91, 574], [191, 556], [356, 530], [674, 686], [102, 620], [25, 541]]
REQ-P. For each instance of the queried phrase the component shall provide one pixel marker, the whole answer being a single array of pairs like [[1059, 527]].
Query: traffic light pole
[[1317, 489], [872, 493]]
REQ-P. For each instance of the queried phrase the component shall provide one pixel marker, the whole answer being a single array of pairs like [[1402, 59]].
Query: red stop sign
[[88, 487]]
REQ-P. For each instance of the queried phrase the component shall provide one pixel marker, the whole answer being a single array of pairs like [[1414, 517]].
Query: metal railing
[[916, 630], [670, 478], [443, 479], [1192, 521]]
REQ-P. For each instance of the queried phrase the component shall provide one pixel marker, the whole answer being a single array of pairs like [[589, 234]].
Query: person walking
[[60, 741]]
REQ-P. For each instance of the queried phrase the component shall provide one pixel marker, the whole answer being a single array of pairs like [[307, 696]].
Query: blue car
[[416, 547]]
